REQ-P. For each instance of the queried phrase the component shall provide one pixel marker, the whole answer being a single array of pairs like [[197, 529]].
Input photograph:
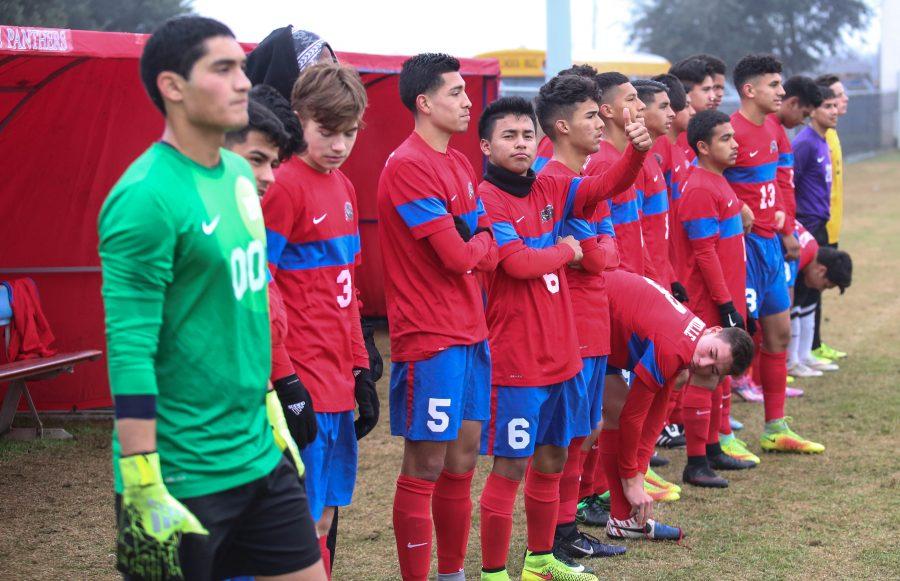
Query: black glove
[[751, 324], [376, 363], [679, 292], [298, 410], [730, 316], [462, 228], [367, 401]]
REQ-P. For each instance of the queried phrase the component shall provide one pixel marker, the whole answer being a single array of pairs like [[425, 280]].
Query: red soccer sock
[[620, 508], [541, 507], [569, 483], [675, 414], [773, 372], [452, 512], [653, 425], [725, 420], [589, 461], [715, 416], [697, 403], [497, 501], [326, 555], [601, 486], [412, 526]]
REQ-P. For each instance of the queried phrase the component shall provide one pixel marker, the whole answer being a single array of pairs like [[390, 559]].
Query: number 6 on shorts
[[517, 433]]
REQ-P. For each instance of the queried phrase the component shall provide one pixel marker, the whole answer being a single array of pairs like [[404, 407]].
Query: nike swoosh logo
[[453, 198], [753, 153], [211, 227], [320, 218], [730, 202], [412, 546], [520, 219], [730, 321], [677, 168], [703, 413], [820, 159], [587, 552], [632, 529], [655, 178], [545, 576]]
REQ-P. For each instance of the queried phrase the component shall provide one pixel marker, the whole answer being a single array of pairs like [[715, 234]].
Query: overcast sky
[[460, 27]]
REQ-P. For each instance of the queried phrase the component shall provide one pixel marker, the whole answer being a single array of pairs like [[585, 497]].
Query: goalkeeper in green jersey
[[204, 487]]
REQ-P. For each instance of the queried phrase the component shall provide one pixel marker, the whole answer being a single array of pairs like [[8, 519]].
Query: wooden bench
[[20, 372]]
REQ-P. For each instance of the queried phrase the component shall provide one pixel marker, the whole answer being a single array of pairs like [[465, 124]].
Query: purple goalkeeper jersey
[[812, 179]]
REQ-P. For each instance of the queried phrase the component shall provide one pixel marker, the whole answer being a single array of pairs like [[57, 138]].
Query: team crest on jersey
[[471, 191], [773, 147], [348, 211], [547, 213]]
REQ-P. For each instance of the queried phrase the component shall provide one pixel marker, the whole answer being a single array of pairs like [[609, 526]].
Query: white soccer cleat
[[800, 370]]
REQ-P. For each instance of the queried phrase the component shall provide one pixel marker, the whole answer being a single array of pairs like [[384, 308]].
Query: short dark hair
[[827, 79], [825, 92], [607, 81], [516, 106], [714, 65], [276, 103], [838, 266], [702, 125], [677, 96], [741, 349], [647, 89], [264, 121], [421, 74], [690, 71], [752, 66], [175, 46], [805, 89], [580, 71], [558, 98]]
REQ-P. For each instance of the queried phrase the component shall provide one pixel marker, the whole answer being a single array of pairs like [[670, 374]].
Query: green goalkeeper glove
[[151, 522], [280, 430]]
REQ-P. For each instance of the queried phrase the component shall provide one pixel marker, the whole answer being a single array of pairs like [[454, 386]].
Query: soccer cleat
[[735, 424], [791, 379], [828, 352], [629, 529], [793, 392], [549, 566], [592, 512], [719, 460], [495, 575], [458, 576], [778, 437], [661, 494], [821, 364], [660, 482], [747, 390], [581, 545], [737, 448], [702, 475], [672, 436], [657, 461], [801, 370]]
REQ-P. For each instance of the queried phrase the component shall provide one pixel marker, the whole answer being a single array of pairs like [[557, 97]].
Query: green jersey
[[187, 315]]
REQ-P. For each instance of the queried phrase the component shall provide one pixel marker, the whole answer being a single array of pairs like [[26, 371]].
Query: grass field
[[835, 516]]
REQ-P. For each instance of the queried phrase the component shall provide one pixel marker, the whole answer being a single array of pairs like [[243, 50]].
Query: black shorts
[[805, 298], [259, 528]]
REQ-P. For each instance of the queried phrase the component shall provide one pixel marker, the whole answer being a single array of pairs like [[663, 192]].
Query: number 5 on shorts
[[439, 419]]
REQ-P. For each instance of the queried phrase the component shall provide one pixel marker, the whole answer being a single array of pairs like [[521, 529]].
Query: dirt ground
[[833, 516]]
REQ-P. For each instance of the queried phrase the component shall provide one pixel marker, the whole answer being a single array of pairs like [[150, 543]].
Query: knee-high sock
[[715, 415], [568, 484], [452, 512], [725, 420], [412, 526], [757, 344], [807, 328], [620, 508], [541, 507], [794, 345], [697, 403], [653, 425], [601, 484], [497, 501], [773, 372], [589, 462], [326, 555], [817, 328]]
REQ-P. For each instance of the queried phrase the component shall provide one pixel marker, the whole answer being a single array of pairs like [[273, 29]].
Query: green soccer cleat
[[737, 448], [778, 437], [660, 482], [545, 567], [828, 352], [661, 494]]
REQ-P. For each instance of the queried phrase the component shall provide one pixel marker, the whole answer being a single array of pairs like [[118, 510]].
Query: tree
[[800, 32], [110, 15]]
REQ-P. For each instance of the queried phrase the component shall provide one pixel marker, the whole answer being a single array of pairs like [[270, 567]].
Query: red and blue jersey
[[312, 233], [684, 147], [533, 338], [784, 177], [544, 154], [753, 175], [429, 307], [711, 244], [653, 201]]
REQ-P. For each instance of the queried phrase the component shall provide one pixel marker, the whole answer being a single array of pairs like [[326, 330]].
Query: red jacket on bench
[[30, 334]]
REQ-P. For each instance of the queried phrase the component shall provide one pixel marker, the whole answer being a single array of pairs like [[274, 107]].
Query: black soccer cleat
[[702, 475], [672, 436], [658, 461]]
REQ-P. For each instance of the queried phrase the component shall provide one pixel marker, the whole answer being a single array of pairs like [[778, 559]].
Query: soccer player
[[716, 68], [313, 239], [182, 245], [539, 400], [758, 81], [695, 75], [658, 341], [674, 163], [711, 258], [434, 235], [263, 143]]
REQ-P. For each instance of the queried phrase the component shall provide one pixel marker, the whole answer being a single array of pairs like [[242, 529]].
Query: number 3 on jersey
[[343, 279]]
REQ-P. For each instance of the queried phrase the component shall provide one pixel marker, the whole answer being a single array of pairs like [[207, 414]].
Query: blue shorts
[[431, 398], [767, 290], [594, 374], [525, 417], [331, 462]]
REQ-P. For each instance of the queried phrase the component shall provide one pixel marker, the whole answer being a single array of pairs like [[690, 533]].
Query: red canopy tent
[[73, 115]]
